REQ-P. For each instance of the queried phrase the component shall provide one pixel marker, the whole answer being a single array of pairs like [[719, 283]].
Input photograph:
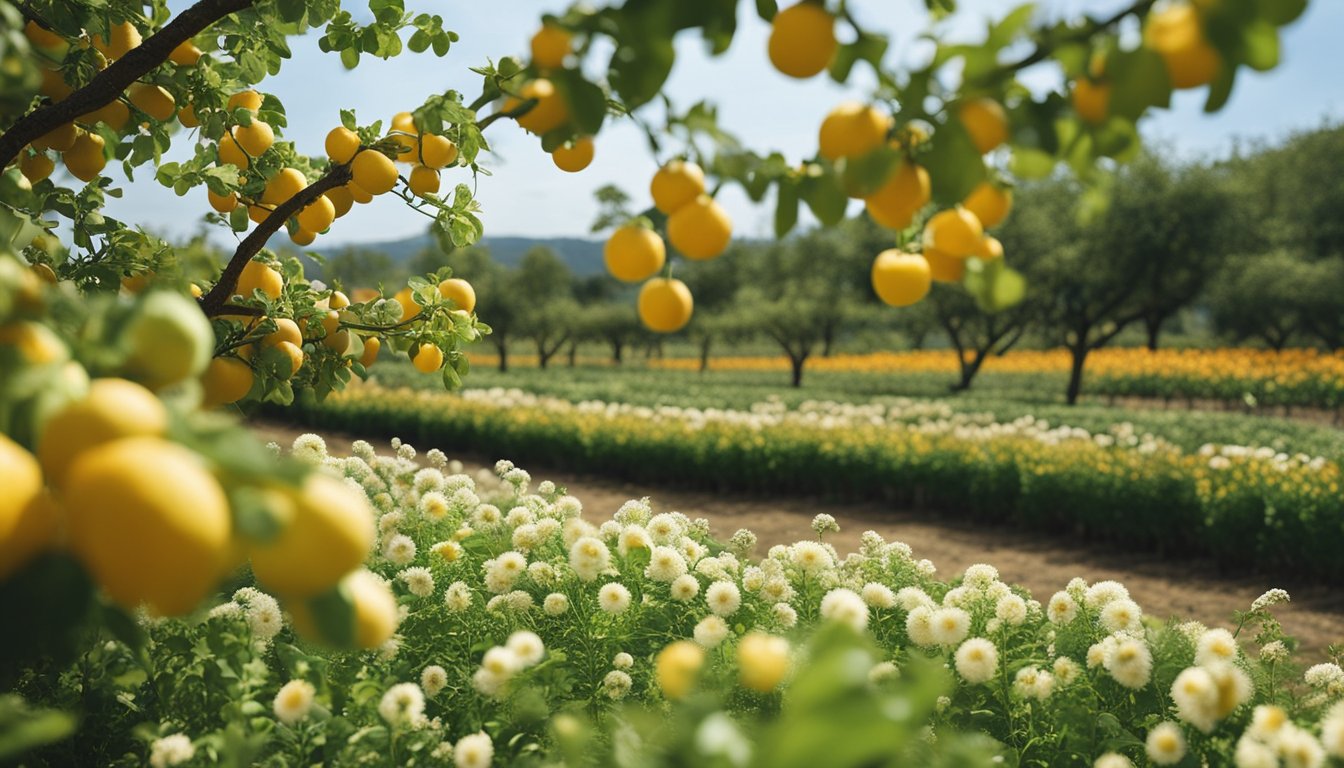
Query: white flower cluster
[[500, 664]]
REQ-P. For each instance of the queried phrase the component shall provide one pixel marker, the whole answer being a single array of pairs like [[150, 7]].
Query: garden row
[[1293, 377], [1245, 506], [530, 632]]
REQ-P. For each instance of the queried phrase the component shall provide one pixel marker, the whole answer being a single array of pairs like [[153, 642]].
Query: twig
[[518, 111], [110, 83], [213, 303]]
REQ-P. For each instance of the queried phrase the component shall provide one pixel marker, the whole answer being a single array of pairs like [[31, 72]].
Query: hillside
[[584, 257]]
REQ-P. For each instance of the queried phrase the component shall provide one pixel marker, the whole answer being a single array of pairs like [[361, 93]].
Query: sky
[[527, 195]]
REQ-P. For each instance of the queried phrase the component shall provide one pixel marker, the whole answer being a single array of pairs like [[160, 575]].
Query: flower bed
[[1247, 507], [531, 634]]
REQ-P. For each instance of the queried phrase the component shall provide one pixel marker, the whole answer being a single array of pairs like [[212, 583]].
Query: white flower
[[824, 523], [1066, 670], [1254, 754], [723, 598], [977, 660], [883, 671], [450, 551], [919, 626], [613, 597], [685, 588], [785, 615], [1062, 608], [1274, 652], [309, 448], [1121, 614], [616, 684], [1214, 646], [665, 564], [433, 679], [1103, 592], [980, 576], [949, 626], [1332, 731], [418, 580], [1011, 610], [457, 597], [1033, 683], [1322, 675], [1267, 722], [527, 646], [633, 537], [474, 751], [753, 578], [519, 601], [910, 598], [433, 505], [403, 705], [555, 604], [878, 595], [623, 660], [1196, 698], [811, 557], [711, 631], [1272, 597], [1300, 749], [665, 528], [844, 606], [264, 617], [589, 557], [501, 662], [294, 701], [1130, 663], [400, 549], [174, 749]]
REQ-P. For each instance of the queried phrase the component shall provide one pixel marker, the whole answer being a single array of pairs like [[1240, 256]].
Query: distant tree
[[1293, 194], [362, 268], [544, 286], [1260, 296], [613, 207], [495, 296], [612, 323], [974, 333]]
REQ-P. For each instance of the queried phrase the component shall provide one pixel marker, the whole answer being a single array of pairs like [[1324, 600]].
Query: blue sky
[[527, 195]]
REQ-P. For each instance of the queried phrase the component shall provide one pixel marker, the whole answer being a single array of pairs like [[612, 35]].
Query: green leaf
[[1139, 81], [350, 58], [1280, 12], [862, 176], [639, 69], [767, 9], [955, 165], [1260, 45], [23, 729], [786, 207], [824, 196], [1220, 90], [587, 102]]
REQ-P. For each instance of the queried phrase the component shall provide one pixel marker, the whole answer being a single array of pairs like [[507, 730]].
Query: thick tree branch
[[522, 109], [213, 303], [111, 82]]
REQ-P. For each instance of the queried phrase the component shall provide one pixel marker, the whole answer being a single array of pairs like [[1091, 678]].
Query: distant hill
[[584, 257]]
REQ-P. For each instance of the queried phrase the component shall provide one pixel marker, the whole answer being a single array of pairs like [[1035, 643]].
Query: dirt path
[[1189, 588]]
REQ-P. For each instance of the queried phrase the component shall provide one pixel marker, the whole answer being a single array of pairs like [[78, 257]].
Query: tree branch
[[111, 82], [1045, 49], [213, 303], [522, 109]]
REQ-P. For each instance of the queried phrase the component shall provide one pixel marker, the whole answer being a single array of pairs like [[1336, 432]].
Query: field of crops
[[1244, 378], [1247, 505]]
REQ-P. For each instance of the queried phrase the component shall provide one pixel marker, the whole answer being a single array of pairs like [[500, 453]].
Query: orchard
[[177, 594]]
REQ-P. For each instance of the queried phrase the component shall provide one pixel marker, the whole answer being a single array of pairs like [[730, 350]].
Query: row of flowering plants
[[1255, 377], [530, 631], [1247, 507]]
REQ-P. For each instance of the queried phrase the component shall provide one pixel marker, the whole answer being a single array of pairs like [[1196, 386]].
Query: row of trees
[[1250, 245]]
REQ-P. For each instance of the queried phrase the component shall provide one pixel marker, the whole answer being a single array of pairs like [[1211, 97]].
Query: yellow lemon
[[1091, 100], [256, 138], [226, 380], [1177, 34], [665, 305], [676, 184], [550, 46], [802, 40], [112, 409], [700, 229], [574, 157], [460, 292], [550, 111], [956, 231], [900, 279], [258, 275], [985, 121], [342, 144], [85, 160], [424, 181], [989, 203], [329, 535], [153, 100], [437, 151], [634, 253], [905, 192], [944, 268], [27, 518], [852, 130], [374, 172], [428, 358], [149, 522]]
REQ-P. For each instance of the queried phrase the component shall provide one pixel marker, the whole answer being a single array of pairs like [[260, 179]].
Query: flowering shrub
[[1243, 505], [531, 634]]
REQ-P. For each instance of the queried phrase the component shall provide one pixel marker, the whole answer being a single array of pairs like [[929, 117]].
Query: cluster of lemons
[[81, 147], [551, 45], [106, 480], [428, 358], [696, 226]]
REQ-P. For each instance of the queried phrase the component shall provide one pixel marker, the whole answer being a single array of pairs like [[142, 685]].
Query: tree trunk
[[827, 337], [704, 353], [796, 362], [1154, 327], [503, 349], [617, 346], [1079, 352], [543, 357], [969, 369], [573, 354]]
